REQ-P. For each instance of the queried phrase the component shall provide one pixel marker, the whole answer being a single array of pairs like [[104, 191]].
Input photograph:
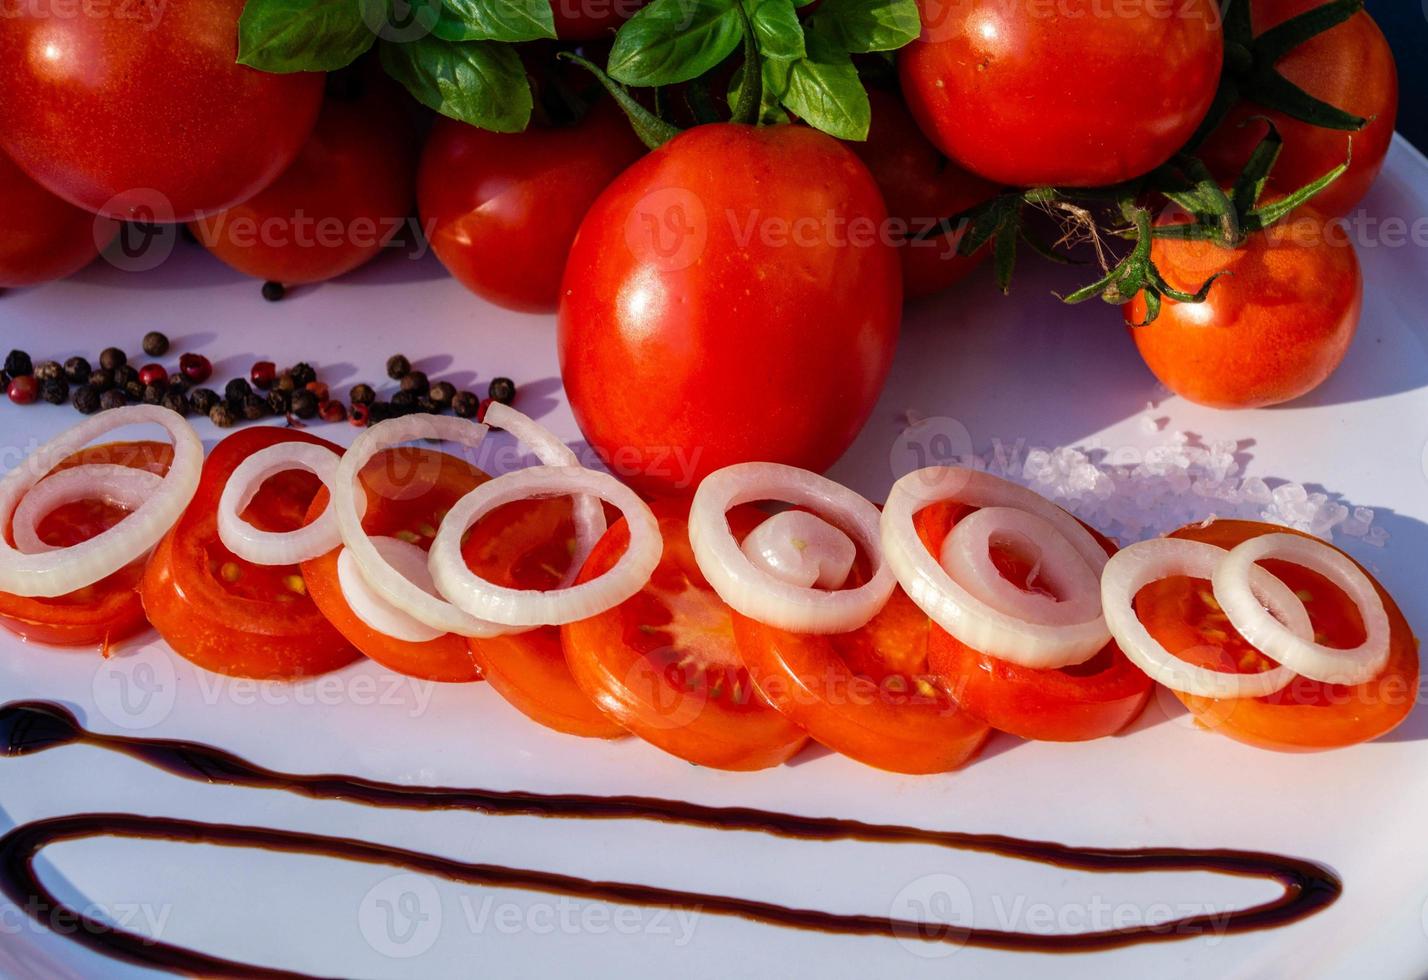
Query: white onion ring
[[278, 547], [65, 570], [589, 515], [1299, 652], [966, 556], [971, 620], [371, 608], [1133, 568], [532, 607], [801, 549], [758, 592], [118, 486], [385, 580]]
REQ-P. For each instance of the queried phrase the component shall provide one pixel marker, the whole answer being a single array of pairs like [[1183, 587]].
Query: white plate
[[1020, 368]]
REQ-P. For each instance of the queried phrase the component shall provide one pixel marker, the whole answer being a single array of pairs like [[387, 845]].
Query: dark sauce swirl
[[28, 727]]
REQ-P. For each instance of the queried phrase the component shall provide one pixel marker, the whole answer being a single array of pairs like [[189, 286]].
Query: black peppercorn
[[254, 408], [237, 390], [221, 416], [442, 393], [55, 391], [285, 382], [155, 344], [101, 380], [153, 394], [113, 398], [398, 367], [48, 371], [176, 401], [86, 399], [135, 389], [304, 404], [379, 412], [77, 370], [18, 364], [179, 383], [425, 404], [125, 374], [279, 402], [416, 382], [303, 374], [204, 400], [112, 357], [502, 390], [362, 395], [274, 291], [465, 404], [403, 403]]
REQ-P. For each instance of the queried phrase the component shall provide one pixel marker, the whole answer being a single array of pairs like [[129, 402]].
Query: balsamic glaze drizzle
[[29, 727]]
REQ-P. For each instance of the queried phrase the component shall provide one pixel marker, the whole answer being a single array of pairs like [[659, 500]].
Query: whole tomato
[[730, 297], [1349, 66], [348, 192], [141, 111], [501, 209], [587, 20], [1075, 93], [1271, 330], [42, 237], [920, 187]]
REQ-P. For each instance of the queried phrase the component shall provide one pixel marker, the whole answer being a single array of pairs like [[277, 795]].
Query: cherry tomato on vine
[[109, 610], [1073, 93], [1349, 66], [346, 195], [143, 111], [730, 297], [1307, 715], [42, 237], [1271, 330]]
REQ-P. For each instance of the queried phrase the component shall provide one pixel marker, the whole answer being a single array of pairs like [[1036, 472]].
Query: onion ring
[[118, 486], [273, 547], [955, 609], [64, 570], [762, 594], [371, 608], [1299, 652], [801, 549]]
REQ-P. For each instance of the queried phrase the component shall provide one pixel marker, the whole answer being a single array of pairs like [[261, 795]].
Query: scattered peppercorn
[[263, 374], [416, 382], [55, 391], [274, 291], [155, 344], [398, 367], [135, 389], [124, 375], [86, 399], [179, 383], [361, 412], [403, 403], [254, 408], [502, 390], [101, 380], [204, 400], [4, 380], [304, 404], [154, 374], [285, 382], [319, 389], [18, 364], [303, 374], [379, 412], [196, 368], [465, 404], [362, 395], [426, 405], [176, 401], [332, 411], [279, 402], [112, 357], [48, 371], [114, 398], [237, 390], [153, 394], [221, 416], [24, 390], [442, 393], [77, 370]]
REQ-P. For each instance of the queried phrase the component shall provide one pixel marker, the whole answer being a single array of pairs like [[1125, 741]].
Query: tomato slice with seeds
[[1071, 704], [228, 615], [409, 490], [528, 545], [665, 664], [109, 610], [1307, 715]]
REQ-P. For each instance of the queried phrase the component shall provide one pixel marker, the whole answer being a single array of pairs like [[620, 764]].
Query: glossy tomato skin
[[1350, 66], [42, 237], [589, 20], [109, 610], [502, 208], [348, 192], [227, 615], [1272, 330], [1072, 93], [147, 114], [920, 187], [1306, 716], [730, 297]]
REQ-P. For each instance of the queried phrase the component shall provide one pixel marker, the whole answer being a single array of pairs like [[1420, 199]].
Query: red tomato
[[42, 237], [1349, 66], [1273, 329], [1072, 704], [1307, 715], [921, 187], [587, 20], [223, 613], [729, 298], [1073, 93], [528, 545], [501, 209], [409, 490], [666, 665], [348, 192], [142, 111], [109, 610]]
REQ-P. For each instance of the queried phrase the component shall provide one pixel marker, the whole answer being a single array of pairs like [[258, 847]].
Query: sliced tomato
[[1072, 704], [1181, 613], [665, 664], [228, 615], [409, 491], [109, 610], [528, 545]]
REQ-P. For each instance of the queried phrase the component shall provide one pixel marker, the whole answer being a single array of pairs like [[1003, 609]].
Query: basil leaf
[[306, 35], [868, 25], [478, 82], [495, 20], [775, 74], [824, 90], [673, 41], [777, 28]]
